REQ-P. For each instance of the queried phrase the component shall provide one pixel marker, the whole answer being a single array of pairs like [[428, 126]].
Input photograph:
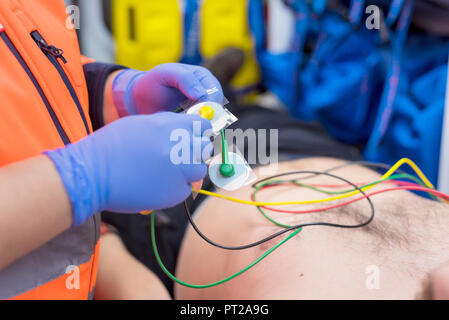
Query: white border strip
[[443, 177]]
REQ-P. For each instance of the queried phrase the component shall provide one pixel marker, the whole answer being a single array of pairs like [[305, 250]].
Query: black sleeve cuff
[[96, 75]]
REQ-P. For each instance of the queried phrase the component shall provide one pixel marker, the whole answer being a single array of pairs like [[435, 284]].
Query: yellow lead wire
[[347, 195]]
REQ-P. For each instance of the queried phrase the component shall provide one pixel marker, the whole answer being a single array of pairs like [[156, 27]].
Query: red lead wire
[[410, 187]]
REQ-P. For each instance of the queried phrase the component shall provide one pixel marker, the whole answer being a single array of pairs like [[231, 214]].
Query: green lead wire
[[193, 286], [266, 254], [273, 182], [224, 148], [227, 170], [394, 177]]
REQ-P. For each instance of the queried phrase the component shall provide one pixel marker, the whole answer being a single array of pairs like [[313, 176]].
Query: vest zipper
[[33, 79], [53, 54]]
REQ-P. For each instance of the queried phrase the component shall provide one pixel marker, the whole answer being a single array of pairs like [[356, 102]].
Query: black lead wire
[[296, 227], [377, 165]]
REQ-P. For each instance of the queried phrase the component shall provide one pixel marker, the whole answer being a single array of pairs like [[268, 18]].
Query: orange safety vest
[[44, 105]]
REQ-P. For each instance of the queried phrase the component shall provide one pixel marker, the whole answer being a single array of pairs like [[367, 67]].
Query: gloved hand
[[163, 88], [130, 165]]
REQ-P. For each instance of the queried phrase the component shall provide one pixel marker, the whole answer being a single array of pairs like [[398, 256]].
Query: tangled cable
[[419, 185]]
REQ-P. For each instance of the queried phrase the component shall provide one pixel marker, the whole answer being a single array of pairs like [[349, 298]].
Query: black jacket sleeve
[[96, 75]]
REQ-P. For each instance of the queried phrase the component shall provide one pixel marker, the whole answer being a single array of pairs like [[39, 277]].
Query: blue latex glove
[[163, 88], [127, 166]]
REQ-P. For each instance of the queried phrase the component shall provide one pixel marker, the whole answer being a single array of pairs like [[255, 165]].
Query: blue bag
[[389, 97]]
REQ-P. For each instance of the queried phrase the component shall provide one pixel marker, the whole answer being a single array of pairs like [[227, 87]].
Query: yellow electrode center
[[207, 112]]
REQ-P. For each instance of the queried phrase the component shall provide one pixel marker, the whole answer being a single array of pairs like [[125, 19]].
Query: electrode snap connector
[[220, 118], [229, 170]]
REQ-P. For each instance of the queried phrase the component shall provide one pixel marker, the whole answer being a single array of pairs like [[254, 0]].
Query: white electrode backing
[[221, 117], [239, 179]]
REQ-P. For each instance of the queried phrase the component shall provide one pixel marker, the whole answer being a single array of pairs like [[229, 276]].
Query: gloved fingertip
[[207, 149], [198, 92], [206, 127], [217, 97], [195, 172]]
